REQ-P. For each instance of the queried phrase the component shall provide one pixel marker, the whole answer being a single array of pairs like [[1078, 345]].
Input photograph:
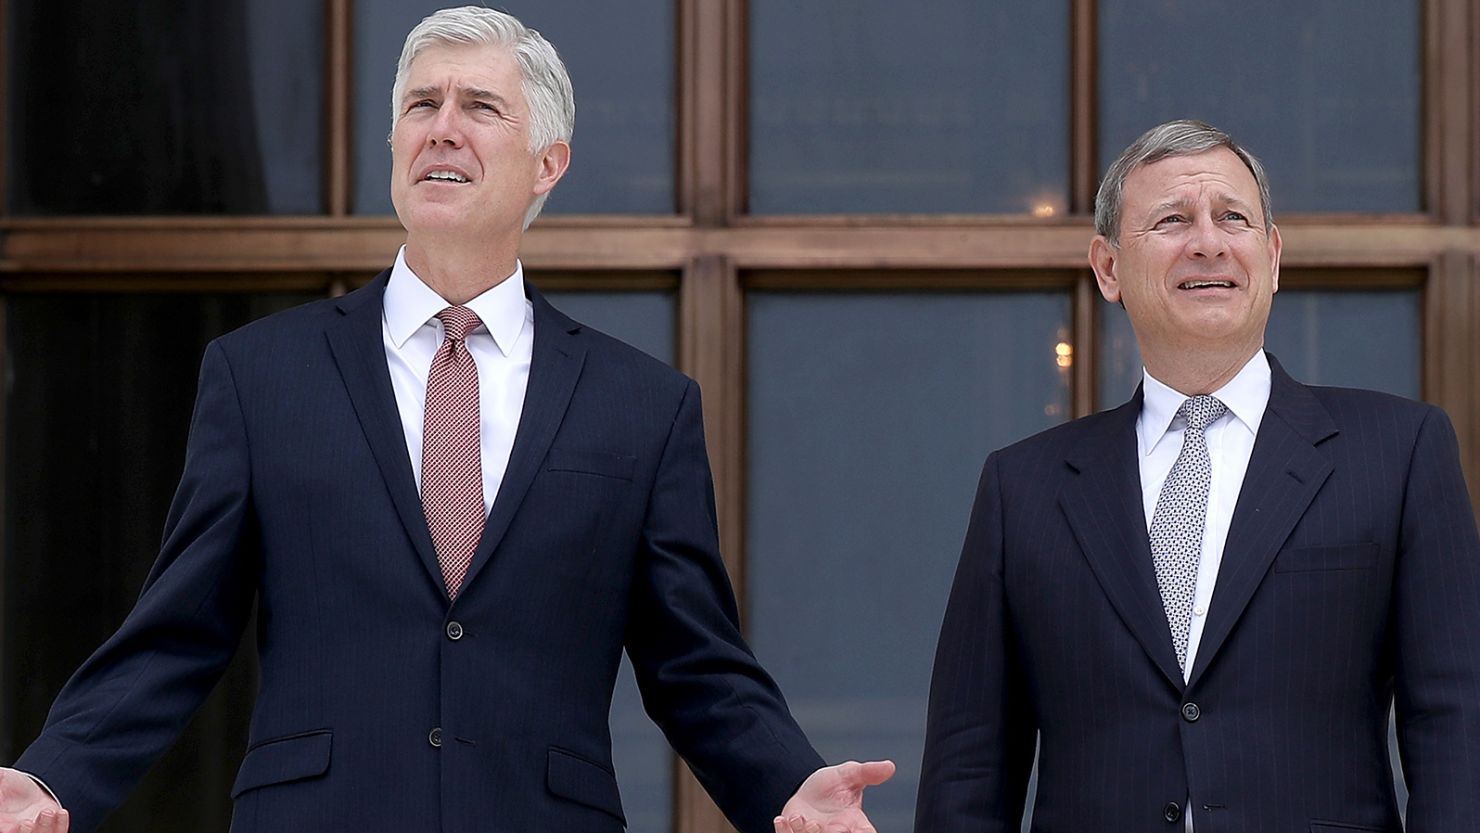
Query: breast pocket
[[599, 463], [1327, 558]]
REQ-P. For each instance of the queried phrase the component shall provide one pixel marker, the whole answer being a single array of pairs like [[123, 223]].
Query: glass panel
[[1361, 339], [621, 62], [165, 108], [640, 755], [869, 418], [1301, 85], [103, 414], [869, 106]]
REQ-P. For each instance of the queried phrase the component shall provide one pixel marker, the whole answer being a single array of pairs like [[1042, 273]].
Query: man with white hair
[[454, 507]]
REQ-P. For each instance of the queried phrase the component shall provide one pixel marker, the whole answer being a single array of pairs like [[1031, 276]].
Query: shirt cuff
[[43, 786]]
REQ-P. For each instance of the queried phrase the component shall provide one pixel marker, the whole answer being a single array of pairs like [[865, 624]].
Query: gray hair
[[547, 88], [1174, 138]]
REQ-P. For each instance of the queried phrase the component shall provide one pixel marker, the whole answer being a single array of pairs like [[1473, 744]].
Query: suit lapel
[[556, 363], [359, 351], [1286, 469], [1103, 505]]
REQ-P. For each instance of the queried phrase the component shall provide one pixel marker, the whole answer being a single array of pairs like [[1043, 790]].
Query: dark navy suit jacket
[[383, 706], [1350, 577]]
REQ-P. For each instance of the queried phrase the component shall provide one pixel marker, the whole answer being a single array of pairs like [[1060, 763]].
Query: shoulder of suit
[[1358, 409], [303, 319], [1060, 439], [607, 354]]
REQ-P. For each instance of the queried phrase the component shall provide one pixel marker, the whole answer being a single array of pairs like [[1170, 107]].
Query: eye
[[425, 102], [1236, 216], [1171, 218]]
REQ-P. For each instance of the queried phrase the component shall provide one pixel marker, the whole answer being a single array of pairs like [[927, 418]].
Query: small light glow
[[1064, 354], [1044, 210]]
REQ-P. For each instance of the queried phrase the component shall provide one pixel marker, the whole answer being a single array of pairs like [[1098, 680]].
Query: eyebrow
[[476, 93], [1183, 205]]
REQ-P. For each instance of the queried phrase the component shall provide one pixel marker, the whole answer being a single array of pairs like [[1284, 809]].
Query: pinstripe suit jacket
[[1350, 579], [298, 493]]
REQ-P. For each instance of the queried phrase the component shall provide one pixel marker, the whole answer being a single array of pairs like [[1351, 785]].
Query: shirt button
[[1190, 712], [434, 737], [454, 631], [1199, 611], [1172, 811]]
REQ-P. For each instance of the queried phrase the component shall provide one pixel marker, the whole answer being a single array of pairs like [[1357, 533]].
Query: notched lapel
[[359, 351], [1286, 470], [555, 365], [1103, 505]]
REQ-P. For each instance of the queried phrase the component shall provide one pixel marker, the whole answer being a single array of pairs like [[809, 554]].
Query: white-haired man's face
[[461, 165]]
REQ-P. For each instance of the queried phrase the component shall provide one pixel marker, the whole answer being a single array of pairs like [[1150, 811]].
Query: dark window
[[867, 106], [1325, 93], [160, 107]]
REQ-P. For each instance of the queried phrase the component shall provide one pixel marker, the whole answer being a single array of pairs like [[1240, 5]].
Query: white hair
[[547, 88], [1184, 137]]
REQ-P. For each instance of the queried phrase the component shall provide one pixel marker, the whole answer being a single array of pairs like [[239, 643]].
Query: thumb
[[867, 774]]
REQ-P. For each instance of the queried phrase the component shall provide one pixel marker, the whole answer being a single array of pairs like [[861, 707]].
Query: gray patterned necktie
[[1181, 512]]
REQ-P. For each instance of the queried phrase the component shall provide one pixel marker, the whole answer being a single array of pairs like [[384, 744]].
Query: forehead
[[447, 64], [1218, 173]]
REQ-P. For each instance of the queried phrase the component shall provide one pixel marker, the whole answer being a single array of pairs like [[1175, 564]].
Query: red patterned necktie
[[451, 469]]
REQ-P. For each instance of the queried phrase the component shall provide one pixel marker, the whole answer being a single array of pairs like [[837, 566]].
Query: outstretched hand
[[26, 808], [831, 799]]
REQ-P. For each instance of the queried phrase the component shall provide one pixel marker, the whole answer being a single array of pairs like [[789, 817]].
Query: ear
[[1275, 246], [1102, 260], [553, 162]]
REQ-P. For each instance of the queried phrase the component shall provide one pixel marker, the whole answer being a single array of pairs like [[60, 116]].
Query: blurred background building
[[860, 224]]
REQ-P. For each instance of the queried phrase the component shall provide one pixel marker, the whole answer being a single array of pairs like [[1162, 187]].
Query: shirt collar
[[1246, 395], [409, 303]]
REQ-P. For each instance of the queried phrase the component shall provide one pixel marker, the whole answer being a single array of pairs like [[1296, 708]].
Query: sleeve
[[699, 680], [980, 731], [129, 701], [1436, 604]]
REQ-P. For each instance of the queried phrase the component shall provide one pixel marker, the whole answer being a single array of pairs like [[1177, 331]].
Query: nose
[[446, 127], [1207, 241]]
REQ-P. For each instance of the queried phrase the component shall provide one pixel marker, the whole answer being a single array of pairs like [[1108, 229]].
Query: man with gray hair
[[454, 508], [1201, 606]]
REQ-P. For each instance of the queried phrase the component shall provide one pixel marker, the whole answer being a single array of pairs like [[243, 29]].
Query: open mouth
[[444, 176], [1198, 283]]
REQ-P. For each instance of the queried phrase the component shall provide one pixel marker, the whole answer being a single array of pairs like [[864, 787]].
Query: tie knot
[[1201, 411], [457, 322]]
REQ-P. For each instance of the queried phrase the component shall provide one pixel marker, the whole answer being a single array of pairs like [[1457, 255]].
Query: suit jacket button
[[1190, 712], [1172, 811], [434, 737], [454, 631]]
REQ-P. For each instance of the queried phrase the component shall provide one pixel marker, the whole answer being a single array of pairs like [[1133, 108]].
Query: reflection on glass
[[95, 429], [868, 106], [621, 62], [1301, 85], [640, 755], [165, 108], [869, 417], [1359, 339]]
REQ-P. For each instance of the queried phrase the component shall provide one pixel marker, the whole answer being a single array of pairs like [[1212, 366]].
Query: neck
[[459, 273], [1194, 372]]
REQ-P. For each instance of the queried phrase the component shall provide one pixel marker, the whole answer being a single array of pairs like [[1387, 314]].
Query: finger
[[798, 824], [868, 774], [781, 826]]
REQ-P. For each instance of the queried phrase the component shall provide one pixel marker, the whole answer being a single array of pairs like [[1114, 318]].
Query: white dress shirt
[[1230, 443], [501, 346]]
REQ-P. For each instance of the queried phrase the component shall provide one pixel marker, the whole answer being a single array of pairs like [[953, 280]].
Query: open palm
[[831, 799], [26, 808]]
